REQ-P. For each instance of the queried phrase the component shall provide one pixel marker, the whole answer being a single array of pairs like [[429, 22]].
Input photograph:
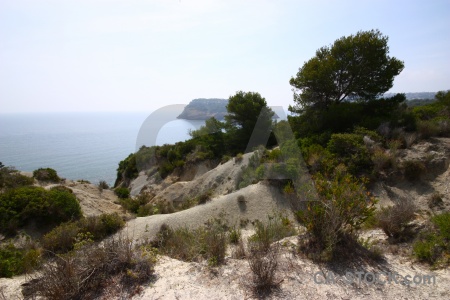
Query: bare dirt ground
[[299, 278]]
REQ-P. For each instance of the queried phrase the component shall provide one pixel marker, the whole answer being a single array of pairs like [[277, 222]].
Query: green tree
[[212, 125], [245, 110], [353, 67]]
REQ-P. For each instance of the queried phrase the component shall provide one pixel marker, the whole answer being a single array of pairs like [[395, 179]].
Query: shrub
[[234, 236], [349, 149], [248, 174], [187, 244], [62, 188], [214, 244], [225, 158], [178, 243], [200, 199], [413, 169], [274, 155], [103, 185], [394, 145], [393, 219], [239, 157], [238, 251], [63, 238], [46, 174], [433, 246], [382, 160], [111, 223], [131, 204], [276, 228], [122, 192], [205, 197], [264, 265], [442, 223], [81, 274], [428, 248], [427, 129], [22, 205], [11, 178], [342, 206], [63, 206], [289, 188], [435, 200], [16, 261]]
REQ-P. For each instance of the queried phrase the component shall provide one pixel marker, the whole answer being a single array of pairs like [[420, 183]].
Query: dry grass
[[82, 274], [238, 251], [393, 220], [382, 159], [209, 242], [264, 265]]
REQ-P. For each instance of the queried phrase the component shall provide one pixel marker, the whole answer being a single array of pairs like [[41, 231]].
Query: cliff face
[[203, 109]]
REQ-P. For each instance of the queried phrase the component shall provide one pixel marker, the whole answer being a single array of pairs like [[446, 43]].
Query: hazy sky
[[139, 55]]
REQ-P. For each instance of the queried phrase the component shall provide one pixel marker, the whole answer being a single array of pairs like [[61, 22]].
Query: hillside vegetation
[[353, 179]]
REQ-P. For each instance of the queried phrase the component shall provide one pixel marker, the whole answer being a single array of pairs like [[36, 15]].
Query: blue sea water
[[78, 145]]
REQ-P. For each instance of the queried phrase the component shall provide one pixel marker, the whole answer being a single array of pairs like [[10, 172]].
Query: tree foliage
[[354, 67], [245, 110]]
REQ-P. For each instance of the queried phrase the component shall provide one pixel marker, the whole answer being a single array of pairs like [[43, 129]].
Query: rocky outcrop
[[203, 109], [434, 155]]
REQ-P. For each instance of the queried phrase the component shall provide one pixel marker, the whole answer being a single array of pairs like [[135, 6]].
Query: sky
[[139, 55]]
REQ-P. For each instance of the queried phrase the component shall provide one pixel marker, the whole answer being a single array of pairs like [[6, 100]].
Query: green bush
[[343, 205], [427, 129], [276, 228], [180, 243], [234, 236], [442, 222], [249, 174], [225, 158], [46, 174], [64, 237], [22, 205], [11, 178], [122, 192], [208, 242], [110, 223], [165, 169], [131, 204], [16, 261], [127, 169], [349, 149], [427, 248], [433, 246]]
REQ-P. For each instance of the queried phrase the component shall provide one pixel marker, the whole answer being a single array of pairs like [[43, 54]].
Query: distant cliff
[[203, 109]]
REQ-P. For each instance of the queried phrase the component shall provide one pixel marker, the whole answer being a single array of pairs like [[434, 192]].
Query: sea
[[86, 146]]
